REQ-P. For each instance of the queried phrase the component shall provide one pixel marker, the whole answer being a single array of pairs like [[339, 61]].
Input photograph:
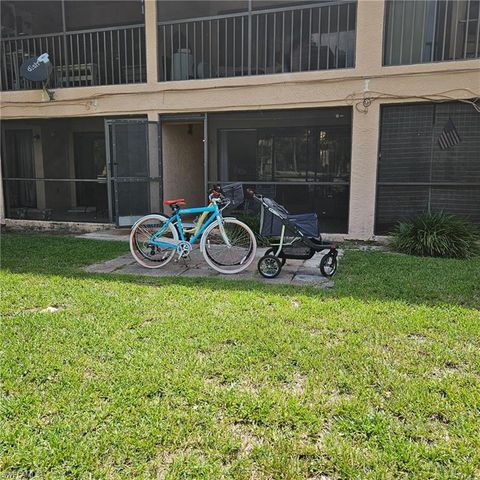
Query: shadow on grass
[[367, 276]]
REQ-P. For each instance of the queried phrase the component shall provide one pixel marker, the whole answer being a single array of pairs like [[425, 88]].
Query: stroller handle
[[250, 192]]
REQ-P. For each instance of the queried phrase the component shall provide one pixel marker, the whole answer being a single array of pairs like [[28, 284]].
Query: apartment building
[[362, 111]]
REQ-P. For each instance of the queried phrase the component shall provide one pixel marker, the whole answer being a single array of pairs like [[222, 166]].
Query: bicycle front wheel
[[228, 247], [143, 250]]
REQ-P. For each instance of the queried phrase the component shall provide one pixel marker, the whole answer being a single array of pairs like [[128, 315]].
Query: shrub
[[436, 235], [253, 221]]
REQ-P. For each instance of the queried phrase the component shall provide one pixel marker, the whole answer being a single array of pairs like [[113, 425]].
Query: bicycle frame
[[176, 220]]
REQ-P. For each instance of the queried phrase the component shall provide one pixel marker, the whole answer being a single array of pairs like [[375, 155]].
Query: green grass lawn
[[134, 377]]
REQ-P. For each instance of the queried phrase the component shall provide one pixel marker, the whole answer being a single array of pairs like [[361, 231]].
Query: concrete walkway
[[295, 272], [112, 234]]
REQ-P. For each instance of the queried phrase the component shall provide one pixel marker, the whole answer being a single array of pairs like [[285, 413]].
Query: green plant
[[436, 235], [253, 221]]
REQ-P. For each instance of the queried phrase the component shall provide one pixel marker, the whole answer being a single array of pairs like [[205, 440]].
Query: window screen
[[419, 31], [415, 175], [300, 158]]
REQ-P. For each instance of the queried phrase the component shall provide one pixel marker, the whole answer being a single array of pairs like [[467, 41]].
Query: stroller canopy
[[274, 215]]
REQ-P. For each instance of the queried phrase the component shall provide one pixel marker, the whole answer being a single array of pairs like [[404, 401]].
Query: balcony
[[103, 42], [300, 38], [108, 56], [425, 31], [89, 43]]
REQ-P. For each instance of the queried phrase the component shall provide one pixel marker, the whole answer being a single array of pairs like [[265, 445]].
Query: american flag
[[449, 136]]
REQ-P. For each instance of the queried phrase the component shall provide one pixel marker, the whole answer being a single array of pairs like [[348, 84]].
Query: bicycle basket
[[234, 192]]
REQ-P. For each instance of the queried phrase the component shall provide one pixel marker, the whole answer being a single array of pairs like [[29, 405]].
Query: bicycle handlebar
[[216, 196]]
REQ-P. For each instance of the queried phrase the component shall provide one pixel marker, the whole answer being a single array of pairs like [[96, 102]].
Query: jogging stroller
[[291, 237]]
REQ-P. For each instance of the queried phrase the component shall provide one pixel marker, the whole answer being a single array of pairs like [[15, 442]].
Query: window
[[430, 31], [266, 4], [23, 18], [307, 154], [300, 158], [175, 10], [20, 164], [53, 172], [415, 175], [81, 15]]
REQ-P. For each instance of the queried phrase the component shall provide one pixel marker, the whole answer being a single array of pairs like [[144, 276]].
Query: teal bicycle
[[227, 245]]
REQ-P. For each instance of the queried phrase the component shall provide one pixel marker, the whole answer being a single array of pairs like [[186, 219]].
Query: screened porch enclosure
[[55, 170], [81, 170], [215, 39], [416, 175], [88, 43], [424, 31], [300, 158]]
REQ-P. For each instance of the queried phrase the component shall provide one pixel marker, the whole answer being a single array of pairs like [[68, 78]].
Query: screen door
[[134, 168]]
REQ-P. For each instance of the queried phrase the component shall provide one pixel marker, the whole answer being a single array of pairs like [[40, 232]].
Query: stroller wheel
[[328, 264], [269, 266], [281, 255]]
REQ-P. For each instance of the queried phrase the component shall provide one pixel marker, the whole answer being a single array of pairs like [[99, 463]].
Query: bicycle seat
[[177, 201]]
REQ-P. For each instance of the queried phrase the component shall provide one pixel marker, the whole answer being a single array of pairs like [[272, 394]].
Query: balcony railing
[[108, 56], [294, 39], [425, 31]]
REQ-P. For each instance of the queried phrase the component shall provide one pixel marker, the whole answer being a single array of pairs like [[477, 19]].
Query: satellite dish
[[36, 69]]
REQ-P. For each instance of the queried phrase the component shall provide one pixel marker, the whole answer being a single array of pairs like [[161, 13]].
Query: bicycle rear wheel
[[143, 251], [229, 247]]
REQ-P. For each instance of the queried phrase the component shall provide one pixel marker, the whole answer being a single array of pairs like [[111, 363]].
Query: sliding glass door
[[300, 158]]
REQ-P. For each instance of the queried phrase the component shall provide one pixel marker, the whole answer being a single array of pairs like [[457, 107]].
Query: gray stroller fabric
[[307, 223], [271, 222]]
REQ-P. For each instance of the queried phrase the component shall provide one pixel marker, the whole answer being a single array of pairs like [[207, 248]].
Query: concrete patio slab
[[113, 234], [295, 272]]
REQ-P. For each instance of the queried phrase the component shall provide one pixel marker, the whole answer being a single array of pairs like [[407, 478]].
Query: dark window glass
[[133, 198], [406, 144], [47, 155], [56, 200], [22, 18], [310, 154], [267, 4], [241, 148], [415, 175], [329, 202], [178, 10], [299, 158], [85, 15], [290, 154], [19, 163], [131, 152], [418, 31]]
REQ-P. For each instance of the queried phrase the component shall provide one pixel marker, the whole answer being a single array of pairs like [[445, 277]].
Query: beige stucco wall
[[399, 84], [183, 163]]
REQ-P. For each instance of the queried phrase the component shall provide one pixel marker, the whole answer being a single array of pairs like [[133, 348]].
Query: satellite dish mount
[[38, 69]]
